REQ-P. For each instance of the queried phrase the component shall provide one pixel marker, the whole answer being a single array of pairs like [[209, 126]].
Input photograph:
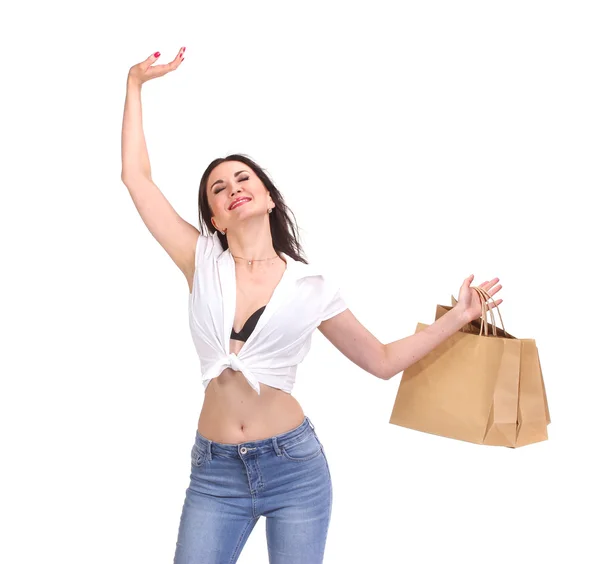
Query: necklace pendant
[[250, 262]]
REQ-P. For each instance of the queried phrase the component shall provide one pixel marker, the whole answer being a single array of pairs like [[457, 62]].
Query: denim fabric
[[284, 478]]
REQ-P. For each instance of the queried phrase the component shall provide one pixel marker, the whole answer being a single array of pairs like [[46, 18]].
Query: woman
[[254, 303]]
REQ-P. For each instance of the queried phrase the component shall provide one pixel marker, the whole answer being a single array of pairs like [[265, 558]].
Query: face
[[227, 182]]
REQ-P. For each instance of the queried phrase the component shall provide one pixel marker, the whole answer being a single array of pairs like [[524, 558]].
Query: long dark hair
[[284, 231]]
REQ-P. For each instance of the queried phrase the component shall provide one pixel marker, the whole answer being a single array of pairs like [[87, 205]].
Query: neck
[[252, 243]]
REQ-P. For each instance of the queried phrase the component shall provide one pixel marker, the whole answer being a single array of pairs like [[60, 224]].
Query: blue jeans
[[286, 478]]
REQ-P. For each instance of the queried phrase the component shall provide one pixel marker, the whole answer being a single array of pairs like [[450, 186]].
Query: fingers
[[486, 285], [161, 70], [495, 304], [156, 55], [490, 287], [178, 58], [174, 64], [466, 284], [150, 60]]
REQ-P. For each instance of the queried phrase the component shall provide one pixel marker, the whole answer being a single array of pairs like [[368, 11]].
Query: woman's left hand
[[469, 302]]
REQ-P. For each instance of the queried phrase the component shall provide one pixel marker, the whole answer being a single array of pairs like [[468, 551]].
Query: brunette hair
[[284, 231]]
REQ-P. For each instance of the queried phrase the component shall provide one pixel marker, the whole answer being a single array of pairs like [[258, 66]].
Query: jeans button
[[243, 450]]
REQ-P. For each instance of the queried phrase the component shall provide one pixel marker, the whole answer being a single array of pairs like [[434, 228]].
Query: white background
[[416, 143]]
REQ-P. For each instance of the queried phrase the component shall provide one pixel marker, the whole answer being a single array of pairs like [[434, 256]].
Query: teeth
[[240, 202]]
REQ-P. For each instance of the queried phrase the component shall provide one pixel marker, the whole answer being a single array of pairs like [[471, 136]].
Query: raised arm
[[175, 235]]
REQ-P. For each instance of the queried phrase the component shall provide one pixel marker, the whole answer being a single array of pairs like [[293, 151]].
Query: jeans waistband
[[270, 444]]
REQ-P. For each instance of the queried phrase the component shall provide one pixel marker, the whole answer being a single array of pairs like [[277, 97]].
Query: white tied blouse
[[303, 298]]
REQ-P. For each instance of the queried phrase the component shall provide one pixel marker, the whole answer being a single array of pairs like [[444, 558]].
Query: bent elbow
[[382, 370]]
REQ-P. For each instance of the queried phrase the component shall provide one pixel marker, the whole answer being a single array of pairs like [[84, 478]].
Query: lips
[[238, 202]]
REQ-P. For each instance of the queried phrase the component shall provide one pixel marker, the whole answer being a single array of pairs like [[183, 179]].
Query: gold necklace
[[254, 260]]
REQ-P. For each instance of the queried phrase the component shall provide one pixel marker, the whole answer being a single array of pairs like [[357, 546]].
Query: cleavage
[[252, 290]]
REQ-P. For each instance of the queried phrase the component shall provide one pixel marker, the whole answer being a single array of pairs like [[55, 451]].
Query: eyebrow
[[235, 174]]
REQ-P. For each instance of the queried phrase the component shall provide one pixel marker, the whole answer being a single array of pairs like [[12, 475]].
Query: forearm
[[403, 353], [134, 153]]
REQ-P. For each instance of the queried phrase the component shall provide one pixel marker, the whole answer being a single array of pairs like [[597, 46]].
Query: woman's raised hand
[[469, 300], [144, 71]]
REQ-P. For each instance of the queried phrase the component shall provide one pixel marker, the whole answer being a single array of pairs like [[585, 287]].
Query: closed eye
[[240, 180]]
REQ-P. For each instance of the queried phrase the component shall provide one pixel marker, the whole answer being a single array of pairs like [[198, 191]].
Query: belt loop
[[209, 449], [276, 446], [310, 423]]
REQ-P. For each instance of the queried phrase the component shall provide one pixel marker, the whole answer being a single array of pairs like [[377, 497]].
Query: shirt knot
[[235, 362]]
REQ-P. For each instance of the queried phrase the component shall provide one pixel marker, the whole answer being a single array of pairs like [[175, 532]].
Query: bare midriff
[[232, 411]]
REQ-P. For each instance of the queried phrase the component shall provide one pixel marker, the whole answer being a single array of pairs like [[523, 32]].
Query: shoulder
[[207, 246], [320, 286]]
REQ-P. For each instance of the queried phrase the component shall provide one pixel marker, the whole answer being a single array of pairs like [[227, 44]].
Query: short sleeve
[[333, 300]]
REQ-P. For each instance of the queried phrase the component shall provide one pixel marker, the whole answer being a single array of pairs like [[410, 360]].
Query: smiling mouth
[[240, 203]]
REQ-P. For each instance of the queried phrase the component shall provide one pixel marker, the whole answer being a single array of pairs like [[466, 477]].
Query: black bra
[[248, 326]]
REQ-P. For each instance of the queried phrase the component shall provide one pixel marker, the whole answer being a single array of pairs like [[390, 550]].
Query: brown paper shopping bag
[[533, 415], [476, 387]]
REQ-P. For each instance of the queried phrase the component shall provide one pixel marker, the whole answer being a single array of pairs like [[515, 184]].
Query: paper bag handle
[[484, 297], [484, 325]]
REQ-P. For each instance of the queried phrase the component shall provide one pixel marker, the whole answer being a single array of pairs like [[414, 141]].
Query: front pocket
[[308, 448], [199, 456]]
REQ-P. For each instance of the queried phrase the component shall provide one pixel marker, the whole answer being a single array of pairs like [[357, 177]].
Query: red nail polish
[[157, 54]]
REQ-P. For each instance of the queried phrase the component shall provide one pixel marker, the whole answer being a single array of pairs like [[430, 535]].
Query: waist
[[292, 436], [232, 412]]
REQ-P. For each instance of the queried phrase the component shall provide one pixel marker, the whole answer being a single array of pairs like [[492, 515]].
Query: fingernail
[[157, 54]]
